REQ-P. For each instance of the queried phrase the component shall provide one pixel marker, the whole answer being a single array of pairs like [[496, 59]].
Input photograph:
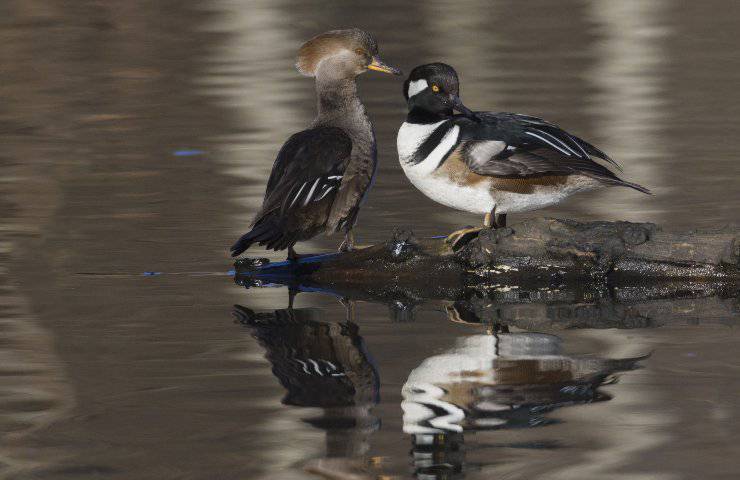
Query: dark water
[[137, 137]]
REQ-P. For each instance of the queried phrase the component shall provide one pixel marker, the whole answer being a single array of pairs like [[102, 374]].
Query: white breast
[[411, 136], [474, 199], [438, 187]]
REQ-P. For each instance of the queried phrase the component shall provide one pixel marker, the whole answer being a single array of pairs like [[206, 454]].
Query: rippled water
[[137, 137]]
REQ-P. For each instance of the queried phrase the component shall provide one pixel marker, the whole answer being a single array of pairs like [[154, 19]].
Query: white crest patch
[[417, 86]]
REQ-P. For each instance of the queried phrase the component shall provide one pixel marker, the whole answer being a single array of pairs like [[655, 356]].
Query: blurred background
[[137, 137]]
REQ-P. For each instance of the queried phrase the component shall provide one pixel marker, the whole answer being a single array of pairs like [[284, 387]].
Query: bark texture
[[539, 250], [546, 273]]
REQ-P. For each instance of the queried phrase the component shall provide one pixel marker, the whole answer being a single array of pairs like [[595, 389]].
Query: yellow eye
[[435, 88], [360, 51]]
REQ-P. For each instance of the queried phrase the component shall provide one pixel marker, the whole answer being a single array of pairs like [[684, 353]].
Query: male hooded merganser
[[321, 175], [490, 163]]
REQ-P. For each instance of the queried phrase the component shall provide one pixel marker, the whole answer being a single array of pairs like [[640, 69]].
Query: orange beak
[[379, 66]]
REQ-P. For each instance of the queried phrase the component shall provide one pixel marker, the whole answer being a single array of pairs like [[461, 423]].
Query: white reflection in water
[[631, 104], [33, 386], [460, 388], [252, 72], [438, 393], [503, 382]]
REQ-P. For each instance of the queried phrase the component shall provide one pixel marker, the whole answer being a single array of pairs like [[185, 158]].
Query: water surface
[[137, 137]]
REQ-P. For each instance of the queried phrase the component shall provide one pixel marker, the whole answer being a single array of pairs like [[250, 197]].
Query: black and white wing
[[309, 168], [305, 178], [318, 364], [509, 144]]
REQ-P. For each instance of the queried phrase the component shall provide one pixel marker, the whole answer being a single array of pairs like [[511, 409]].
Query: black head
[[434, 89]]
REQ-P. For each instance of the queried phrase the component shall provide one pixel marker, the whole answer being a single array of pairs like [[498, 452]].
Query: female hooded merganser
[[321, 175], [490, 163]]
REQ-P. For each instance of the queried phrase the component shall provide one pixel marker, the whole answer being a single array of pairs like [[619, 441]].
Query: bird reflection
[[493, 381], [327, 366], [489, 382]]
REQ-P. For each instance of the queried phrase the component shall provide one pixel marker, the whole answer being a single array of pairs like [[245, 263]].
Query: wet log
[[548, 272], [543, 251]]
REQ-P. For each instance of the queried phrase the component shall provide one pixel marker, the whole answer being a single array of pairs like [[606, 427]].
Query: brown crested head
[[349, 52]]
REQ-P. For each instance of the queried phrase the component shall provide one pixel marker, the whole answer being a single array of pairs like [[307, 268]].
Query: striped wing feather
[[509, 144], [308, 168], [303, 184]]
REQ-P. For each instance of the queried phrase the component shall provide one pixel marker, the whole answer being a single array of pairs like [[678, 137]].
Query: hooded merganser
[[490, 163], [321, 175]]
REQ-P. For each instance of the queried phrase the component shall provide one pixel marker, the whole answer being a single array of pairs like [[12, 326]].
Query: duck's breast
[[440, 174]]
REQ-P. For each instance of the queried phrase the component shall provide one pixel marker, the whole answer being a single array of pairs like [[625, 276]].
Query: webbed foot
[[460, 238], [349, 242]]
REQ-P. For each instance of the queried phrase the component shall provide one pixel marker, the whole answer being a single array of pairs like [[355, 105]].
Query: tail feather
[[608, 178], [241, 245], [267, 232], [263, 236], [262, 232], [618, 182], [636, 186], [596, 152]]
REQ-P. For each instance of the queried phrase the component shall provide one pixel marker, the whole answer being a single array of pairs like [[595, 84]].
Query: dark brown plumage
[[321, 175], [319, 364]]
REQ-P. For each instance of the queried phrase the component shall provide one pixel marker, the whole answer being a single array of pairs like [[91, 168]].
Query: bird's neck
[[339, 105], [423, 116]]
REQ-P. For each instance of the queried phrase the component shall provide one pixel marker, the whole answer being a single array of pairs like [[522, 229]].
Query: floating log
[[557, 273], [549, 250]]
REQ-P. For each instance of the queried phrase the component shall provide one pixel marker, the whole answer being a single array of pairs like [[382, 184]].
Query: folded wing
[[508, 144], [304, 181]]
